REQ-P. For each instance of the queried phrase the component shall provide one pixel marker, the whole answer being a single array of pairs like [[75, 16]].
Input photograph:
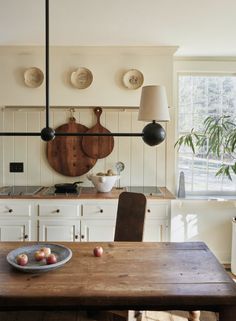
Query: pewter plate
[[81, 78], [33, 77], [133, 79], [62, 253]]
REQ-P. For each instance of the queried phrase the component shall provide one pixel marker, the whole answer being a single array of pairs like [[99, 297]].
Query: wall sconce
[[153, 107]]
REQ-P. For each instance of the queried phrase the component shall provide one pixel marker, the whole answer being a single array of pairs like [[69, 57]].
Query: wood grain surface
[[136, 276], [66, 155], [98, 146]]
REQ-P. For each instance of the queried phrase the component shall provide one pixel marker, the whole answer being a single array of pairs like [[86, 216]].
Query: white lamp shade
[[153, 104]]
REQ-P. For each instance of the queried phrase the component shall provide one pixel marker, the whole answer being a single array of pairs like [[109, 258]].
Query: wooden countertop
[[89, 193], [129, 275]]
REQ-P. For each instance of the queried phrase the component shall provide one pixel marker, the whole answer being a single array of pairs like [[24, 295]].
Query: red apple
[[51, 259], [98, 251], [46, 251], [39, 255], [22, 259]]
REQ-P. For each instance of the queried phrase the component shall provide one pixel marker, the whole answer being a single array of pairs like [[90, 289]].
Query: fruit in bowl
[[103, 182], [39, 255], [22, 259]]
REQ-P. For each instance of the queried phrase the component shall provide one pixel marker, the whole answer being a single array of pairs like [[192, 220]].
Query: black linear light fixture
[[153, 107]]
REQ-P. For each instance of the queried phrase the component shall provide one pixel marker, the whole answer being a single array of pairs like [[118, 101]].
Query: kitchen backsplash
[[144, 165]]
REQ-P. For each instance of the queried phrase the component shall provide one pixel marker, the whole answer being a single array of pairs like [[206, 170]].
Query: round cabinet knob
[[76, 237], [10, 210], [58, 211], [149, 211], [26, 236], [101, 211], [82, 236]]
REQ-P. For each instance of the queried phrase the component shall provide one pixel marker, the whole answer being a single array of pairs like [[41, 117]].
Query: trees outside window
[[207, 106]]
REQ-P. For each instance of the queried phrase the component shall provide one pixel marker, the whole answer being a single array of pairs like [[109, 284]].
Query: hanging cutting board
[[98, 146], [65, 153]]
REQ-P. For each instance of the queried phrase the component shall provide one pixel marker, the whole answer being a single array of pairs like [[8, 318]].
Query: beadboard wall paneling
[[143, 164]]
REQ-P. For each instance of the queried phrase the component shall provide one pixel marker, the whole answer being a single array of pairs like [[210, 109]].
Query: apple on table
[[98, 251], [22, 259]]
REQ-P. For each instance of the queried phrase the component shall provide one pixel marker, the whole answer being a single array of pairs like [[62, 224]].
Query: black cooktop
[[20, 190], [146, 190]]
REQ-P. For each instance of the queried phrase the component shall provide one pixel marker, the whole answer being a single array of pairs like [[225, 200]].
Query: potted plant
[[217, 137]]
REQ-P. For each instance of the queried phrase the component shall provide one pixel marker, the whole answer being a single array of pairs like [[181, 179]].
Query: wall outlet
[[16, 167]]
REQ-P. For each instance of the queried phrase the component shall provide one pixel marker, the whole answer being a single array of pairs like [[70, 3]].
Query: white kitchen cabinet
[[98, 219], [99, 210], [97, 230], [59, 221], [59, 230], [15, 208], [16, 220], [59, 210], [156, 230], [15, 230], [74, 220], [156, 226]]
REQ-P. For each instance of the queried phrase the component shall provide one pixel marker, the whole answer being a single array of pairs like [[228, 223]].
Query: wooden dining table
[[128, 276]]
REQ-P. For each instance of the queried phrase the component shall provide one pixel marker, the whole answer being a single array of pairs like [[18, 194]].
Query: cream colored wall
[[144, 165]]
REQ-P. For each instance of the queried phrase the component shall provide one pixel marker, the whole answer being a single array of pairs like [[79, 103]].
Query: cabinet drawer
[[9, 209], [157, 211], [99, 210], [54, 210]]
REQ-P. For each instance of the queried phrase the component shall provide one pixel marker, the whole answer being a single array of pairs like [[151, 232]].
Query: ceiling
[[199, 28]]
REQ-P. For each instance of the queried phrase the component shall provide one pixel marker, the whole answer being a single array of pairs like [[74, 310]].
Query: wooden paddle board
[[98, 146], [65, 153]]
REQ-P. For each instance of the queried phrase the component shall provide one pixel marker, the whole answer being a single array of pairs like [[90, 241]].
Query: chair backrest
[[130, 217]]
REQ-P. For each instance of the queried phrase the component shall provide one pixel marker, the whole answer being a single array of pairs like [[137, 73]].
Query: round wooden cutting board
[[98, 146], [65, 153]]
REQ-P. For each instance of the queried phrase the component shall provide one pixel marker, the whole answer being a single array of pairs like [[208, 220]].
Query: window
[[201, 96]]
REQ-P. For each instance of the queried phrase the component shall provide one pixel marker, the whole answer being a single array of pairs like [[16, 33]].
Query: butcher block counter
[[128, 276], [88, 193]]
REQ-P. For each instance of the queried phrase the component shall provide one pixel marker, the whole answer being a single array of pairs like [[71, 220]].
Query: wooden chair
[[130, 217], [129, 228]]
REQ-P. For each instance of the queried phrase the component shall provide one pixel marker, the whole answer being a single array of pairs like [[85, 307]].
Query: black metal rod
[[20, 134], [47, 60], [47, 95], [74, 134], [100, 134]]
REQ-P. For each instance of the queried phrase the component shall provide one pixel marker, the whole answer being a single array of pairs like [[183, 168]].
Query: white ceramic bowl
[[103, 184]]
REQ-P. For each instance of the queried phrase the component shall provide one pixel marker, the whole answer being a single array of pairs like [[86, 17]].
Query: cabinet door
[[59, 231], [15, 230], [97, 230], [156, 230]]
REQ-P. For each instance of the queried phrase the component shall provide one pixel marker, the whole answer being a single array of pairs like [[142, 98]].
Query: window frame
[[206, 193]]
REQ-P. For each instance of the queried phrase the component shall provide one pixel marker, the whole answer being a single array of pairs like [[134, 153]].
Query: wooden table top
[[145, 276]]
